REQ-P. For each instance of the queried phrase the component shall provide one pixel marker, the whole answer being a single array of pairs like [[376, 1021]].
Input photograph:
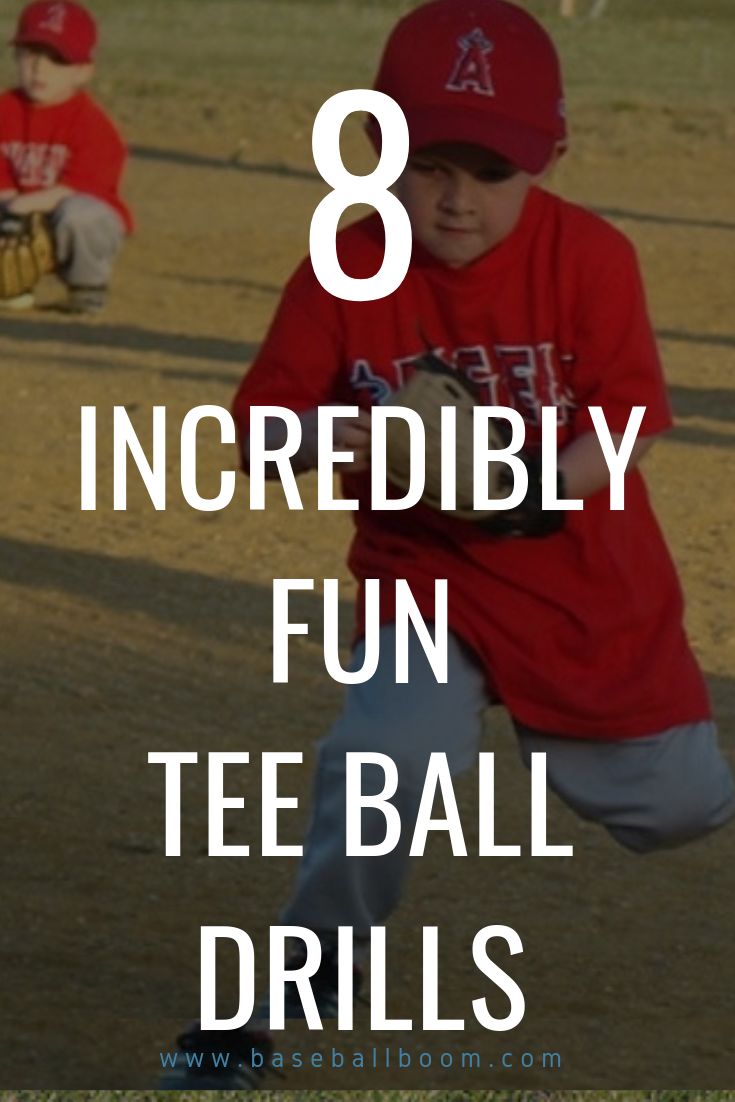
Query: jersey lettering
[[520, 372], [523, 376], [530, 377], [559, 395], [362, 377], [474, 363], [35, 164], [404, 366]]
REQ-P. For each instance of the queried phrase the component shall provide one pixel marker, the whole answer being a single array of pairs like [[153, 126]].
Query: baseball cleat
[[217, 1059], [84, 300]]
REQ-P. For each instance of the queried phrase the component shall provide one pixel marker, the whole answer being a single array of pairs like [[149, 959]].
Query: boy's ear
[[559, 150], [85, 73]]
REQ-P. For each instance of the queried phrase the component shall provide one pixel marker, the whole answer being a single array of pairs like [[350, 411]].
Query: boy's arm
[[297, 367], [617, 365], [583, 464], [43, 201]]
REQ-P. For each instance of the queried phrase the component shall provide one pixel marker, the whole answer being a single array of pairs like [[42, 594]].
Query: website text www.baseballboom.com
[[367, 1059]]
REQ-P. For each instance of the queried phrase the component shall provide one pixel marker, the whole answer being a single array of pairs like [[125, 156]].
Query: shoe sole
[[20, 302]]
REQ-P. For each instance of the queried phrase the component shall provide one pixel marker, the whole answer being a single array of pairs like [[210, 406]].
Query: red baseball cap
[[478, 71], [66, 27]]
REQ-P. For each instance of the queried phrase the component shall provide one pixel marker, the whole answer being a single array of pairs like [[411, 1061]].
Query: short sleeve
[[617, 364], [97, 157], [298, 363]]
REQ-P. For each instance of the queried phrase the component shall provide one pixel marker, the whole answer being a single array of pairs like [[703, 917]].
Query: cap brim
[[41, 39], [524, 146]]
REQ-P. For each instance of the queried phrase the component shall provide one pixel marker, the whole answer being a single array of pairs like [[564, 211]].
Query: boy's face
[[45, 77], [462, 200]]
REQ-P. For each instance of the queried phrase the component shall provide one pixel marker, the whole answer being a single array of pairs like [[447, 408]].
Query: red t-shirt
[[580, 633], [73, 144]]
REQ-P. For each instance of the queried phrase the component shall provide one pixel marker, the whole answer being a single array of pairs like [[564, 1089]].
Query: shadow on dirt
[[685, 434], [715, 402], [235, 164], [94, 363], [722, 690], [274, 168], [712, 340], [45, 328], [99, 334], [224, 281], [211, 606], [664, 219]]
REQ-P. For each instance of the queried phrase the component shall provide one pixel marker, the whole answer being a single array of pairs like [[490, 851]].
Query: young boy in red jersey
[[60, 154], [579, 634]]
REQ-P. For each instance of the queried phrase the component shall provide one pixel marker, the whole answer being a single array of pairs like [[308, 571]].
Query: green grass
[[371, 1096]]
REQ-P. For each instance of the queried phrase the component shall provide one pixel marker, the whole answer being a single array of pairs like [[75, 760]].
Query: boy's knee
[[652, 793], [84, 214], [391, 742], [674, 824], [407, 742], [77, 210]]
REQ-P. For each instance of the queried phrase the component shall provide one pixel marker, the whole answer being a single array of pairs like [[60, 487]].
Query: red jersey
[[73, 144], [580, 633]]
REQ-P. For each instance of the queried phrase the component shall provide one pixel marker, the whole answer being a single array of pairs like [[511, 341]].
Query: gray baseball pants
[[649, 793], [88, 234]]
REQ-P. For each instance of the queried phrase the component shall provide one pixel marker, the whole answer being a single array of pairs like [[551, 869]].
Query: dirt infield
[[138, 631]]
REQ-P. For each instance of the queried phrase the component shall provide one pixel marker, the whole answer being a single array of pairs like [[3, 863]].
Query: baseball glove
[[434, 384], [26, 252]]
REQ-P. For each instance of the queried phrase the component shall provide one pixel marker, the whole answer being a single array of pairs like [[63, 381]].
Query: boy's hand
[[350, 434], [353, 434], [41, 202]]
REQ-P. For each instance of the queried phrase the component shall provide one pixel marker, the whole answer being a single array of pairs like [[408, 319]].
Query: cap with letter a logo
[[63, 26], [483, 72]]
